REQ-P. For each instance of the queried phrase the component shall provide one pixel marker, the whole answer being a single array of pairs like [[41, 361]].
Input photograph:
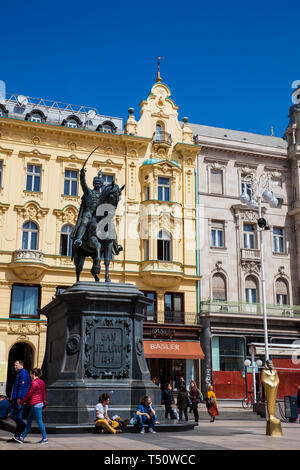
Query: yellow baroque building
[[40, 160]]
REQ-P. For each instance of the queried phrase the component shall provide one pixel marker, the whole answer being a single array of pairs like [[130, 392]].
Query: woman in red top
[[36, 398]]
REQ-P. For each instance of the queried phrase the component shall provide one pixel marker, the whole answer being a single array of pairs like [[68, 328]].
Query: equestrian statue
[[94, 234]]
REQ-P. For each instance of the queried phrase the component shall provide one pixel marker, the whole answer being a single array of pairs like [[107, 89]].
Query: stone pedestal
[[95, 345]]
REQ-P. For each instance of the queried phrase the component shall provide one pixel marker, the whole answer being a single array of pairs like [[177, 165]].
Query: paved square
[[221, 435]]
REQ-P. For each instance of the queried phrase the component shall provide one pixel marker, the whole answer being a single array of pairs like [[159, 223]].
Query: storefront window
[[228, 353]]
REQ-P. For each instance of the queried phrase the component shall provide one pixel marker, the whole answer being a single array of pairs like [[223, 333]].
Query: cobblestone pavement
[[220, 435]]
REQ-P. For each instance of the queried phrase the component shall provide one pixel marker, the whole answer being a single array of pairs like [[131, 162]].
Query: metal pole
[[263, 292], [253, 375]]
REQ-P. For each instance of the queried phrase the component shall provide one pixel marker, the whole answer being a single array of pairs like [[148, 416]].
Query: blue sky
[[228, 64]]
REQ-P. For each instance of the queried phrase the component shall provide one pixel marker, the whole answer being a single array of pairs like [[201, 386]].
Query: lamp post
[[255, 191], [252, 365]]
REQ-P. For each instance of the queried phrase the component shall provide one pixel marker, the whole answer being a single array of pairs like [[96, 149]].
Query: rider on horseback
[[90, 202]]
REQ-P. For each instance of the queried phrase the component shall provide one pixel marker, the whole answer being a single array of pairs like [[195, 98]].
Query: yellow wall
[[58, 148]]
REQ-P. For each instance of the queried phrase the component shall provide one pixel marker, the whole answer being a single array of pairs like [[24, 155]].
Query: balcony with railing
[[250, 254], [162, 139], [244, 308], [28, 264], [172, 317]]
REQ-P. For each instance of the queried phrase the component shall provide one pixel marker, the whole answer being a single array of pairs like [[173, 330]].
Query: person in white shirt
[[101, 417]]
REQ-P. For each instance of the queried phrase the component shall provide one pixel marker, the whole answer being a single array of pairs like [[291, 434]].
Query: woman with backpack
[[211, 404]]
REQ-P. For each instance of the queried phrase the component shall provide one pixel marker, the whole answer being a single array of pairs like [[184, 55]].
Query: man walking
[[20, 389]]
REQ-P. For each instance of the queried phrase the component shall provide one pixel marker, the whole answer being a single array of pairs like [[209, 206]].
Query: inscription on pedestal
[[108, 347]]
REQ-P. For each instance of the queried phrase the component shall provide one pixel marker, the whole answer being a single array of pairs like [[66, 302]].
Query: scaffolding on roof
[[51, 104]]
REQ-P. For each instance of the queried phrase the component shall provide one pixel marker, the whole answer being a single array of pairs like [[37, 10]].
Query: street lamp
[[253, 365], [260, 190]]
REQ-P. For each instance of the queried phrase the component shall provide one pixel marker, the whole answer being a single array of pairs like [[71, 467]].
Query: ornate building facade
[[189, 243], [43, 146]]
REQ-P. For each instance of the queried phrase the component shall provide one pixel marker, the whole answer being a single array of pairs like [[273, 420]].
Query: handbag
[[174, 414], [45, 402]]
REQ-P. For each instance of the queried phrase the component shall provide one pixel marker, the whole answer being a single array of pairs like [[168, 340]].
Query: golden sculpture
[[270, 381]]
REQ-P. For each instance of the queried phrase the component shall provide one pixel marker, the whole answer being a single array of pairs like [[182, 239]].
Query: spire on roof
[[158, 78]]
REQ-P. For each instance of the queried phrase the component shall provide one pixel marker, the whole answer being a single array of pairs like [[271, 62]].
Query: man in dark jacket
[[168, 400], [182, 402], [20, 389]]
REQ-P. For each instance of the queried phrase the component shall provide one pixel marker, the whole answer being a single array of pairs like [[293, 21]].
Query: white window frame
[[34, 175], [164, 187], [30, 231], [70, 179], [217, 231], [67, 234], [247, 236], [277, 238]]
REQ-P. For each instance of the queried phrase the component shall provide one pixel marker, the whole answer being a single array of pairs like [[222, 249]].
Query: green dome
[[151, 161]]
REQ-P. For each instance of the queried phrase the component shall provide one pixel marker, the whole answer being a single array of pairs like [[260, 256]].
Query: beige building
[[232, 163], [43, 146]]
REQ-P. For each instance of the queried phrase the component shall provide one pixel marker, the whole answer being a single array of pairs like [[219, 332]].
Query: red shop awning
[[173, 349]]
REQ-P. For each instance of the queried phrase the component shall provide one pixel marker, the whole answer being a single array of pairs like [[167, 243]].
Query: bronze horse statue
[[99, 239]]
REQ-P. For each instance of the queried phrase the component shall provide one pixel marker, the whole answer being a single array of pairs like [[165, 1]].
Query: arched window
[[251, 291], [219, 287], [159, 132], [108, 127], [72, 123], [36, 115], [164, 246], [66, 241], [36, 118], [30, 232], [281, 288]]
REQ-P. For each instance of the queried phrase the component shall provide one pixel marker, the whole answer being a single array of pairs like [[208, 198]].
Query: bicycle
[[248, 401]]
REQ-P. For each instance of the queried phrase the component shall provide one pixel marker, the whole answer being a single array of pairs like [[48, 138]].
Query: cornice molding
[[273, 153], [71, 158], [34, 154], [107, 163], [6, 151]]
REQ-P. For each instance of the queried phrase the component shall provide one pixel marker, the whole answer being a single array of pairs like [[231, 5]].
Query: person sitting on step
[[146, 415], [101, 417]]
